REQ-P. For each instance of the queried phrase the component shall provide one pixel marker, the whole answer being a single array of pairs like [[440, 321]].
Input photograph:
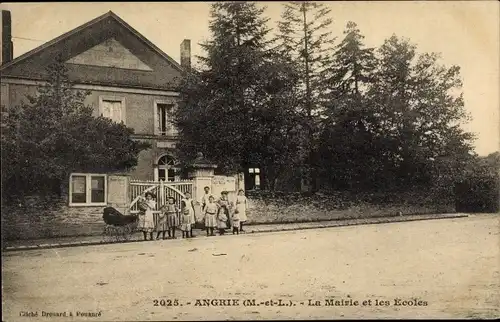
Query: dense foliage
[[479, 189], [239, 109], [303, 38], [352, 117]]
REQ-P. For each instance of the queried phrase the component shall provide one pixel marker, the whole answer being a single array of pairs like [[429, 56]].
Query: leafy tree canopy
[[239, 108]]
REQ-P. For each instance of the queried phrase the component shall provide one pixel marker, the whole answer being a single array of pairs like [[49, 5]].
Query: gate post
[[119, 192], [202, 173], [161, 199]]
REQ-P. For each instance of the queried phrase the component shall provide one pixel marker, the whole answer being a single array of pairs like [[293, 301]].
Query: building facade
[[130, 80]]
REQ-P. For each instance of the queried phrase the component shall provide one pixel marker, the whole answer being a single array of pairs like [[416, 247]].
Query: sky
[[466, 33]]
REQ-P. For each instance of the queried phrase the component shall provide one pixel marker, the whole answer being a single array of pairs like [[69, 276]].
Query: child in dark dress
[[223, 215], [236, 222], [222, 221], [172, 214], [161, 226]]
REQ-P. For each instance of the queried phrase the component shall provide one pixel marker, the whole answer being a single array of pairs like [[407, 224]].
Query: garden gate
[[162, 190]]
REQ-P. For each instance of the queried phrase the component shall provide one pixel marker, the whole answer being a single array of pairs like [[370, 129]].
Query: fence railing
[[161, 189]]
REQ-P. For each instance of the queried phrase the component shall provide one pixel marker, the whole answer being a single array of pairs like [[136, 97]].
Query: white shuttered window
[[112, 108]]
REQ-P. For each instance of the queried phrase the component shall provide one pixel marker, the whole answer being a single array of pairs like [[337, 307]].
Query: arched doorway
[[167, 169]]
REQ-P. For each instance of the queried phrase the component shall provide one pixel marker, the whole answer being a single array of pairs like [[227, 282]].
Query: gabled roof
[[109, 14]]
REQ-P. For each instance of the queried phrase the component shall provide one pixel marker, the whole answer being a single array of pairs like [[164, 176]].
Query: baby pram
[[118, 226]]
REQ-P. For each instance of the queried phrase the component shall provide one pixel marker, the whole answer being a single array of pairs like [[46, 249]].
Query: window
[[163, 119], [87, 190], [168, 169], [112, 108], [166, 174], [252, 179], [162, 110]]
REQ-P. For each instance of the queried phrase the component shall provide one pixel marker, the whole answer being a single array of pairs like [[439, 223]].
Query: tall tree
[[351, 70], [55, 134], [238, 108], [347, 147], [303, 38], [402, 126], [421, 110]]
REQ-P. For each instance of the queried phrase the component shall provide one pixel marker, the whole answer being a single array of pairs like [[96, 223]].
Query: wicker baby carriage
[[118, 226]]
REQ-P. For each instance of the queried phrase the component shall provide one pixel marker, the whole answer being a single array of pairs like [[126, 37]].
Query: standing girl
[[146, 220], [172, 215], [241, 208], [185, 222], [204, 202], [236, 222], [188, 209], [204, 199], [210, 212], [223, 215], [161, 226]]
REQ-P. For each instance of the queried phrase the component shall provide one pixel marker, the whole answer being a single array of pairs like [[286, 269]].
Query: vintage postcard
[[185, 161]]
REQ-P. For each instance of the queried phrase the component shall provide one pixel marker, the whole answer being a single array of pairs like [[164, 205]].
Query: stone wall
[[296, 207], [35, 218], [43, 219]]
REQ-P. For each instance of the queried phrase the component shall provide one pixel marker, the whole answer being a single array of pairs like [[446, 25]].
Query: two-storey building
[[129, 78]]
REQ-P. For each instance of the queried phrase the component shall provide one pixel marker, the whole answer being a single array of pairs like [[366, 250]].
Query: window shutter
[[158, 119], [170, 117], [117, 112], [106, 109], [112, 110]]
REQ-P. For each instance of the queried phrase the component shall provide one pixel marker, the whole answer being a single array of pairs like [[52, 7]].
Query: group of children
[[220, 214], [223, 214]]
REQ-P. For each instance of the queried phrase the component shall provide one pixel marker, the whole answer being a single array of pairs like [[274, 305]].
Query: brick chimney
[[186, 54], [7, 46]]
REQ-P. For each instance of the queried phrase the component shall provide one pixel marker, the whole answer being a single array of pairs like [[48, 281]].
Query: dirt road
[[436, 269]]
